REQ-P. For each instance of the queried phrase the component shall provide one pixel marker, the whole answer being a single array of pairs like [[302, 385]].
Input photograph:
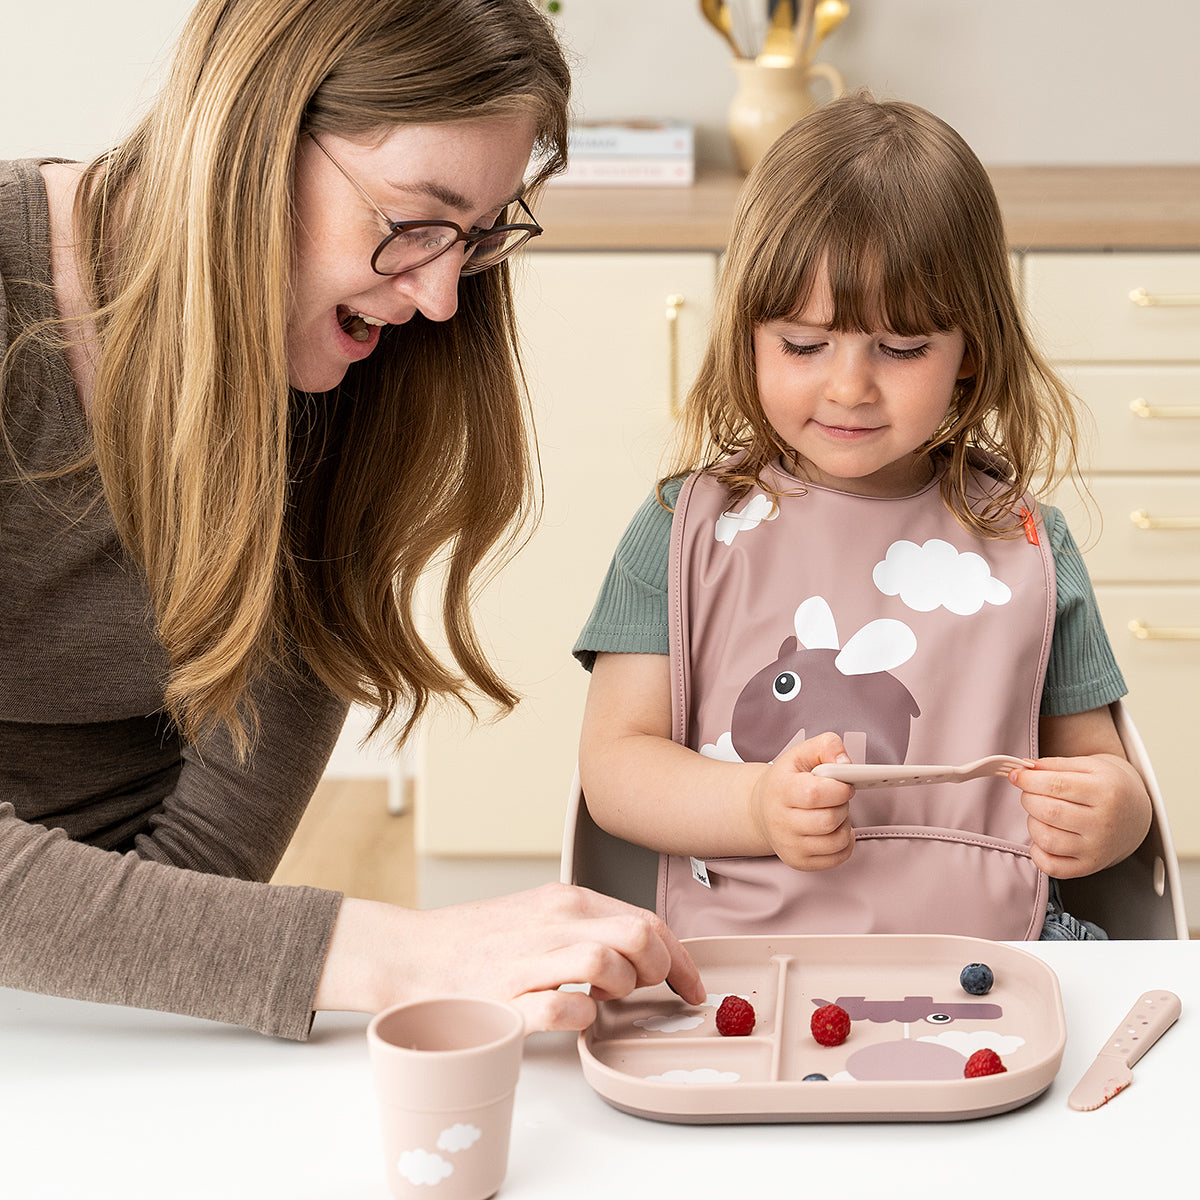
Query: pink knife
[[1150, 1017]]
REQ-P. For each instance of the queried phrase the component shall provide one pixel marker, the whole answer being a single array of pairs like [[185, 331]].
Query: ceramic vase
[[769, 99]]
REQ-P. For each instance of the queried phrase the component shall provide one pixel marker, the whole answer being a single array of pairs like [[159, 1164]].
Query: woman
[[260, 372]]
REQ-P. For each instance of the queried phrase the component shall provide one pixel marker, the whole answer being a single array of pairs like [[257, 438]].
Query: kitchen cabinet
[[612, 341], [1124, 328]]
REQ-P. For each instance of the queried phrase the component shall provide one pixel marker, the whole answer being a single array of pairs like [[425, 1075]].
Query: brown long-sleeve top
[[132, 864]]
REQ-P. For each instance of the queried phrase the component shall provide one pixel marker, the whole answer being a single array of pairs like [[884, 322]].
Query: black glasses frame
[[471, 237]]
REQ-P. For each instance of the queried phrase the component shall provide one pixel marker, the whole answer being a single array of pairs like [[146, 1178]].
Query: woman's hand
[[520, 948], [802, 818]]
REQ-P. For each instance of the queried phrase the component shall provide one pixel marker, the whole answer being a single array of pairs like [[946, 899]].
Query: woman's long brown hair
[[275, 527]]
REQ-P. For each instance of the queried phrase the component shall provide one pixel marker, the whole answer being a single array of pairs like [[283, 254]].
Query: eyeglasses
[[412, 244]]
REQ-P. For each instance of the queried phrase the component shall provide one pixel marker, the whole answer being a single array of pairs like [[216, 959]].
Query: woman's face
[[465, 172]]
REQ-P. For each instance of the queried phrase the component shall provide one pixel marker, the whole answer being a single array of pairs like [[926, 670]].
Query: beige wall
[[1026, 81]]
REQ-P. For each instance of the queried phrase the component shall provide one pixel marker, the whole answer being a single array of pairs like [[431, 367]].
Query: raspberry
[[983, 1062], [735, 1017], [830, 1025], [977, 979]]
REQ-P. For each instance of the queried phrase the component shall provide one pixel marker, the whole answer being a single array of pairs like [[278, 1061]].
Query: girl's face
[[465, 172], [856, 407]]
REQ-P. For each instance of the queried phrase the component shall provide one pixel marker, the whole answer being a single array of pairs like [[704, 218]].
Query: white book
[[631, 171], [628, 139]]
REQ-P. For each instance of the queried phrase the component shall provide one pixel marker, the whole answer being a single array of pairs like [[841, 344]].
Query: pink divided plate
[[912, 1029]]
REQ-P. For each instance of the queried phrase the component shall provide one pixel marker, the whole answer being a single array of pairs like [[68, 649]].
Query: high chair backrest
[[1140, 898]]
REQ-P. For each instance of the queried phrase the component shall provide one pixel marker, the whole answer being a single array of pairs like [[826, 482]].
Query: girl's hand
[[520, 948], [1085, 813], [805, 819]]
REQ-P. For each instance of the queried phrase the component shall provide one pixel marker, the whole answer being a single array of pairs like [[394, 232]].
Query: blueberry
[[813, 1077], [977, 978]]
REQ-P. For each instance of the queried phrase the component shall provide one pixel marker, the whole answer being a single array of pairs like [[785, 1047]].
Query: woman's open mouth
[[355, 324]]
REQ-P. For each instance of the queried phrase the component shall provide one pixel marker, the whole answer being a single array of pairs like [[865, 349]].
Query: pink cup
[[445, 1072]]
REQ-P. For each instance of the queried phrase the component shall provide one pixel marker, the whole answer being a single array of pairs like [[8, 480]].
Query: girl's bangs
[[879, 284], [881, 275]]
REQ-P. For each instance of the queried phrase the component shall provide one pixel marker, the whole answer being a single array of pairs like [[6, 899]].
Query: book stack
[[630, 154]]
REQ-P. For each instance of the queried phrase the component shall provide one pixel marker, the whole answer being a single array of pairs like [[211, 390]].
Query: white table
[[99, 1102]]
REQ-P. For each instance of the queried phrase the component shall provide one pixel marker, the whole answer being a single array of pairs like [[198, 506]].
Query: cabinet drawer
[[1150, 527], [1162, 673], [1081, 309], [1145, 418]]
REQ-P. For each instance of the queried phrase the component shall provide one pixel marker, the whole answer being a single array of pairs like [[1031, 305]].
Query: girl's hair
[[903, 214], [276, 527]]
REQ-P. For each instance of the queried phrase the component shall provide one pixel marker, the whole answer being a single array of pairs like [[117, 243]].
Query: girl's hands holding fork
[[802, 818], [1088, 807]]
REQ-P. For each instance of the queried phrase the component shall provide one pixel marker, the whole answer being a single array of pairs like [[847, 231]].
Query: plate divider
[[782, 964]]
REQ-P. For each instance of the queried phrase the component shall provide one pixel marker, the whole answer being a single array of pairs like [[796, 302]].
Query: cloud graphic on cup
[[699, 1075], [458, 1137], [936, 575], [421, 1167], [757, 509]]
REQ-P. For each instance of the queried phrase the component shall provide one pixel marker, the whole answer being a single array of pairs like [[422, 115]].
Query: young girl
[[854, 569]]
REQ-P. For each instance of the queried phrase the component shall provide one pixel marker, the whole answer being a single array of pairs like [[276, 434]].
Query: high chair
[[1140, 898]]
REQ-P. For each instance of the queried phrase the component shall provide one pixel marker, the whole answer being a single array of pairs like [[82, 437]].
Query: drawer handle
[[1157, 412], [1164, 633], [1144, 520], [1145, 299], [674, 303]]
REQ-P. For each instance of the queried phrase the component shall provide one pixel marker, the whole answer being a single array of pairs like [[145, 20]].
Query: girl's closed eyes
[[901, 353]]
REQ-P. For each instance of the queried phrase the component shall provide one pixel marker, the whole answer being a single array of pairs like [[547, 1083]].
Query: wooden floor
[[349, 842]]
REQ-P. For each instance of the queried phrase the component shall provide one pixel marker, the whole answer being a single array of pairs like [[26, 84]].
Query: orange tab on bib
[[1030, 523]]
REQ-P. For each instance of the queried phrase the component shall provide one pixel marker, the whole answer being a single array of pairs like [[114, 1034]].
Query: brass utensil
[[778, 47], [718, 16]]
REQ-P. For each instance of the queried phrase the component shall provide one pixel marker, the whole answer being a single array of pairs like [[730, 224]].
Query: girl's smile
[[857, 407]]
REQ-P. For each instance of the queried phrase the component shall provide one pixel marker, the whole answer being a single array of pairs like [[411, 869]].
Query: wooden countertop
[[1045, 208]]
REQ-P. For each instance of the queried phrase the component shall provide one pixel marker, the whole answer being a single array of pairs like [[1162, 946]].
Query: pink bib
[[889, 623]]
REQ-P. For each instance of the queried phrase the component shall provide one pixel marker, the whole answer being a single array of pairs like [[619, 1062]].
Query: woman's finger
[[645, 944], [555, 1011]]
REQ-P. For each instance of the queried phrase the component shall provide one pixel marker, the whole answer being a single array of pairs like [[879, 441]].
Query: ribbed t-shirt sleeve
[[630, 615], [1082, 673]]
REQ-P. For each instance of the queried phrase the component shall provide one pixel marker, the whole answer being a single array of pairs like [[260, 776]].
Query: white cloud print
[[967, 1041], [757, 509], [458, 1137], [936, 575], [721, 749], [669, 1024], [421, 1167]]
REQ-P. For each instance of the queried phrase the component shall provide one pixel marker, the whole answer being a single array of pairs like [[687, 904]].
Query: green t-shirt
[[630, 614]]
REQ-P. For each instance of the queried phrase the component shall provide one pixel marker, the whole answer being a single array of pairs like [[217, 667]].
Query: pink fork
[[877, 775]]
